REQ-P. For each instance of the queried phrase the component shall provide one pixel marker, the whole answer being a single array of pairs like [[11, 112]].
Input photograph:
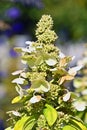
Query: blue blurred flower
[[2, 40], [8, 32], [1, 125], [3, 74], [13, 53], [18, 27], [13, 13], [34, 3]]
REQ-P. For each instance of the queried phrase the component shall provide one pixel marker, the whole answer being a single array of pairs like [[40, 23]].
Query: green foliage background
[[70, 15]]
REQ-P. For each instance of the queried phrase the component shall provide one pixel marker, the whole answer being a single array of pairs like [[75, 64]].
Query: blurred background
[[18, 20]]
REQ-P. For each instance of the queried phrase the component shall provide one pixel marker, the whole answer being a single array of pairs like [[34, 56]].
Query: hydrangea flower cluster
[[46, 104]]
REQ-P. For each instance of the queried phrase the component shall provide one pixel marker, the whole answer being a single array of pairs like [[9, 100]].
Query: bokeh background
[[18, 20]]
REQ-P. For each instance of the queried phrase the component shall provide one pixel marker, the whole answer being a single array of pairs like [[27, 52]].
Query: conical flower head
[[44, 32]]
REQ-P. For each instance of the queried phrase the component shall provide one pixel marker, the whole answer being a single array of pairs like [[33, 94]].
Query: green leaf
[[50, 114], [16, 99], [60, 71], [77, 123], [39, 61], [31, 59], [20, 123], [28, 125], [68, 127], [40, 85], [9, 128], [80, 124]]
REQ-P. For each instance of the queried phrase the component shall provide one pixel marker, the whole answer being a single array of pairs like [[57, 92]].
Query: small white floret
[[80, 105], [66, 97], [17, 72], [61, 55], [73, 71], [18, 80], [35, 99], [28, 42], [51, 62]]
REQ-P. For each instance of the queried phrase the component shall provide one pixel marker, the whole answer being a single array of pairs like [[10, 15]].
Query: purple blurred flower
[[1, 125], [18, 27], [8, 32], [2, 74], [26, 87], [13, 53], [13, 13], [2, 40], [35, 3]]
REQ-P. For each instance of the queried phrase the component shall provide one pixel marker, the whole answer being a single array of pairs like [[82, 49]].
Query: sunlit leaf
[[68, 127], [20, 123], [50, 114], [30, 122], [9, 128], [16, 99], [78, 123]]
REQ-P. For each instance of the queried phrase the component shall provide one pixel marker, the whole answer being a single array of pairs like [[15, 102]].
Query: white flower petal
[[84, 92], [28, 42], [17, 72], [16, 113], [39, 46], [66, 97], [51, 62], [24, 62], [73, 71], [54, 69], [26, 50], [23, 75], [31, 49], [18, 80], [83, 61], [61, 55], [80, 106], [35, 99], [73, 57], [42, 88]]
